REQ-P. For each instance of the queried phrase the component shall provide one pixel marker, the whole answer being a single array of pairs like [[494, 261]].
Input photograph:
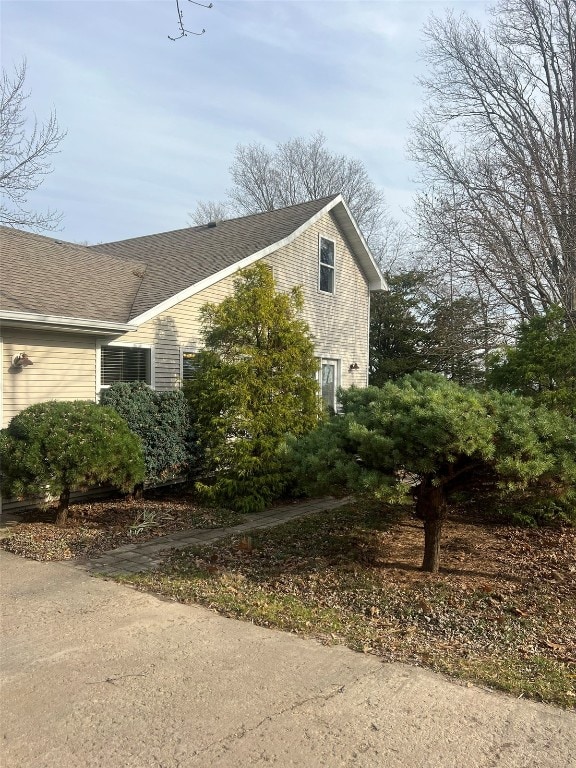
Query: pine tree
[[542, 363], [434, 437]]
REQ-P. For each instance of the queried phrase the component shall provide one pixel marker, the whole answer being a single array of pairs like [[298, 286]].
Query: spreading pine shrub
[[434, 435]]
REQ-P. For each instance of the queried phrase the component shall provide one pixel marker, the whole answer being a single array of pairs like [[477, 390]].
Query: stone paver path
[[132, 558]]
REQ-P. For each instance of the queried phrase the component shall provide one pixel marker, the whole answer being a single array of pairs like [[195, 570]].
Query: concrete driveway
[[96, 674]]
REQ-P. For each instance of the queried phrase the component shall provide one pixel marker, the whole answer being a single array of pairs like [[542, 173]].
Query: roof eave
[[375, 278], [63, 323]]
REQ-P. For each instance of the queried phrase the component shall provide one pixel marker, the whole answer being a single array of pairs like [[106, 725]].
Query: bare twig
[[183, 31]]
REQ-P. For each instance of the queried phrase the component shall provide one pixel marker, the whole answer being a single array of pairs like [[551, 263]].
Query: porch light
[[21, 360]]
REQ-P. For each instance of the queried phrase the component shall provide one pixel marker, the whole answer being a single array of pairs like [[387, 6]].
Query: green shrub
[[542, 363], [253, 383], [439, 435], [162, 422], [59, 447], [534, 510]]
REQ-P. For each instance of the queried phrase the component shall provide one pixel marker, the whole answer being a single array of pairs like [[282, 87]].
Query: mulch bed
[[94, 528]]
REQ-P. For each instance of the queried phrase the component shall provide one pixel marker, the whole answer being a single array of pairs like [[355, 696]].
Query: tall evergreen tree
[[397, 329], [542, 363], [255, 382]]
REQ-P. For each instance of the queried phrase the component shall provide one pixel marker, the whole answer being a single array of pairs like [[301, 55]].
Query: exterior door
[[329, 383]]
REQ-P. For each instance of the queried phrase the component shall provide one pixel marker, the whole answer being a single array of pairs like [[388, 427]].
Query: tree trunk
[[431, 508], [138, 492], [62, 511]]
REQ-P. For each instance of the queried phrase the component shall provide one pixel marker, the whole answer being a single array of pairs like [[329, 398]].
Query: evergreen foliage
[[59, 447], [254, 383], [437, 436], [542, 364], [162, 422], [419, 326], [397, 330]]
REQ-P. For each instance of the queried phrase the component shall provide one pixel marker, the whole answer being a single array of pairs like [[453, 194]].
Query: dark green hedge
[[162, 421]]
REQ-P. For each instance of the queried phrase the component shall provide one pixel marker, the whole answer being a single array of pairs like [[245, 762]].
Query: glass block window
[[326, 277], [125, 364]]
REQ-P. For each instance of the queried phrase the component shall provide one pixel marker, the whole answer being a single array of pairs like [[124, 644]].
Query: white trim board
[[81, 324], [361, 252]]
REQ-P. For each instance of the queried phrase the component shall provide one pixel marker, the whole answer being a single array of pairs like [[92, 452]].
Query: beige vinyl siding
[[174, 329], [64, 368], [338, 322]]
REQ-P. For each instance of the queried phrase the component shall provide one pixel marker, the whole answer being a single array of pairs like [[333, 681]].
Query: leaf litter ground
[[502, 612], [103, 525]]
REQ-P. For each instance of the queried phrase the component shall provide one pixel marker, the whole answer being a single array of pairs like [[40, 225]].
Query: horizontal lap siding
[[64, 368], [175, 328], [338, 322]]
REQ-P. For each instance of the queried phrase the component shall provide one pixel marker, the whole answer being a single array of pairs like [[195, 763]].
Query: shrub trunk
[[62, 510], [431, 508]]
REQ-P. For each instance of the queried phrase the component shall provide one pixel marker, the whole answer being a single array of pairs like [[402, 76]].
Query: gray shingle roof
[[178, 259], [118, 281], [44, 275]]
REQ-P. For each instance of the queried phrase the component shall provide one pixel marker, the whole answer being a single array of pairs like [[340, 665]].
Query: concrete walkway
[[132, 558], [97, 675]]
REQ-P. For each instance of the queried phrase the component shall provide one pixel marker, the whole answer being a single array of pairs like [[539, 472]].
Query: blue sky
[[152, 124]]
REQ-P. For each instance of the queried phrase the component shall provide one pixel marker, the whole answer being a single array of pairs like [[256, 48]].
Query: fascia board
[[81, 324], [376, 280], [192, 290]]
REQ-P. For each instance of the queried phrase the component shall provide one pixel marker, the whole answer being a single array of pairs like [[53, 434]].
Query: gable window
[[125, 364], [326, 277]]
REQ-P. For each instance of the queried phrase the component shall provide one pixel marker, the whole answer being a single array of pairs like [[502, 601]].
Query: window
[[125, 364], [189, 364], [326, 277], [329, 383]]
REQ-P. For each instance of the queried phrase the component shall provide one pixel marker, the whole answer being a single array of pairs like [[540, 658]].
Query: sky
[[152, 124]]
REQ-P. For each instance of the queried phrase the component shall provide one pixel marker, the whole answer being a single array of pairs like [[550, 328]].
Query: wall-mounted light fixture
[[353, 367], [21, 360]]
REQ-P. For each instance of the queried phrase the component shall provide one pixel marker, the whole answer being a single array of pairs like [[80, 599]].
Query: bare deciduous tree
[[24, 155], [303, 169], [497, 147], [209, 211]]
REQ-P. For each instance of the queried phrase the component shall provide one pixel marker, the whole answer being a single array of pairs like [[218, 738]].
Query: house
[[74, 319]]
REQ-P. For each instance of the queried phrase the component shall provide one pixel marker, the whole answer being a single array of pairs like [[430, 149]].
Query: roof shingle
[[44, 275], [116, 282], [178, 259]]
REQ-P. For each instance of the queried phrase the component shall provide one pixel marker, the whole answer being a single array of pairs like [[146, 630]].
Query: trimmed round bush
[[58, 447]]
